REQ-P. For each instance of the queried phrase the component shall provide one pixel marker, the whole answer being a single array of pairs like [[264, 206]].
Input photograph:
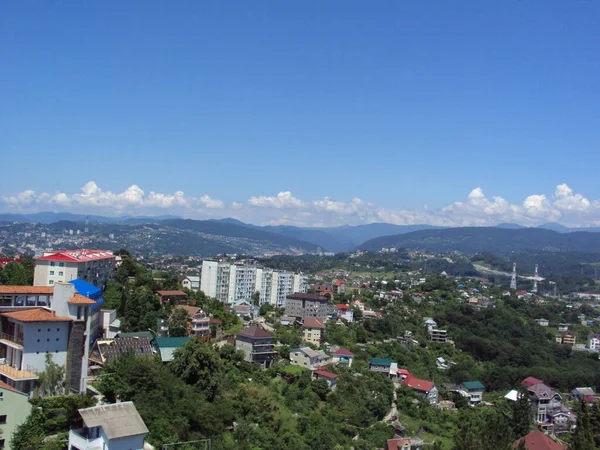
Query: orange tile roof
[[81, 300], [3, 385], [44, 290], [36, 315]]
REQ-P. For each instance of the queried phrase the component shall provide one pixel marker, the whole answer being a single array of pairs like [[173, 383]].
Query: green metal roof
[[381, 362], [171, 342], [474, 385], [145, 334]]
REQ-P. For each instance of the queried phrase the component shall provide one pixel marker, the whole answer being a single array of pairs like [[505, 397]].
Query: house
[[257, 345], [313, 330], [342, 357], [566, 338], [536, 440], [105, 351], [30, 331], [344, 312], [199, 325], [301, 305], [14, 410], [307, 357], [324, 290], [339, 286], [117, 426], [173, 297], [92, 266], [245, 309], [437, 335], [563, 327], [530, 381], [423, 387], [331, 378], [110, 324], [166, 346], [593, 342], [430, 323], [585, 393], [474, 389], [190, 282], [401, 443], [380, 365], [542, 322], [543, 401]]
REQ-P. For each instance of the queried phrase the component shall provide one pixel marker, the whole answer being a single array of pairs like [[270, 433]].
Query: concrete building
[[593, 342], [342, 357], [28, 333], [93, 266], [190, 282], [199, 322], [117, 426], [307, 305], [229, 283], [313, 330], [257, 345], [437, 335], [307, 357], [14, 410]]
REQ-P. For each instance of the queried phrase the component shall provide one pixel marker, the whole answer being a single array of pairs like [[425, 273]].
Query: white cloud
[[477, 209]]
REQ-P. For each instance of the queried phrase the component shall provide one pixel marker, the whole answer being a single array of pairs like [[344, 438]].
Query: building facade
[[313, 330], [229, 283], [257, 345], [92, 266], [307, 305]]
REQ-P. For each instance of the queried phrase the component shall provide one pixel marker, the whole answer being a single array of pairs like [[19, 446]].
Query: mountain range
[[233, 236]]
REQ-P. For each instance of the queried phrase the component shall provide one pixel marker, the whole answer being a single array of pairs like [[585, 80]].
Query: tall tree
[[178, 322], [521, 414], [140, 312], [52, 380], [583, 438]]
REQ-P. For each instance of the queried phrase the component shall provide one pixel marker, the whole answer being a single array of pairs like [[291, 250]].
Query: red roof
[[418, 384], [32, 290], [530, 381], [339, 282], [215, 321], [342, 352], [398, 444], [536, 440], [3, 385], [82, 255], [313, 322], [325, 374], [403, 372], [342, 306], [81, 300], [36, 315]]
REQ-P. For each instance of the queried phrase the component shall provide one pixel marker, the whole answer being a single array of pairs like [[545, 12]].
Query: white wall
[[208, 278], [126, 443], [34, 352], [42, 275]]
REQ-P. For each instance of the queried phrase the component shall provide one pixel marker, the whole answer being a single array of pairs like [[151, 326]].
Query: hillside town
[[85, 312]]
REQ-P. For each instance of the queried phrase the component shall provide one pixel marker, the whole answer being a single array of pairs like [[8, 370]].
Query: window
[[61, 264], [1, 443], [3, 419], [52, 272], [52, 263], [51, 282], [60, 274]]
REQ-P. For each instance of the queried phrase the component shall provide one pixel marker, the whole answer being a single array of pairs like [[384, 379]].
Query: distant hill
[[53, 217], [489, 239], [510, 226]]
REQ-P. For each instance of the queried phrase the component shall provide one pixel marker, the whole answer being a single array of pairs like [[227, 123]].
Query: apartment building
[[313, 330], [307, 305], [93, 266], [39, 323], [593, 342], [234, 282]]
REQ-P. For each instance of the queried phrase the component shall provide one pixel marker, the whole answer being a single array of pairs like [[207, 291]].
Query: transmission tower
[[535, 280], [513, 279], [86, 230]]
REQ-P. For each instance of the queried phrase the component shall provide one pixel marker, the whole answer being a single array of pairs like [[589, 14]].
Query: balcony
[[16, 374], [11, 340], [79, 439]]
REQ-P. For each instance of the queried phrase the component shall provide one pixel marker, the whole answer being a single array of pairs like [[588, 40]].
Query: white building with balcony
[[92, 266]]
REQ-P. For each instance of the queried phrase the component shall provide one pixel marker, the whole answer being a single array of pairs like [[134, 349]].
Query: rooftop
[[176, 342], [536, 440], [342, 352], [32, 290], [381, 362], [168, 293], [35, 315], [418, 384], [530, 381], [313, 322], [8, 387], [254, 332], [78, 299], [301, 296], [82, 255], [473, 385], [117, 420], [325, 374]]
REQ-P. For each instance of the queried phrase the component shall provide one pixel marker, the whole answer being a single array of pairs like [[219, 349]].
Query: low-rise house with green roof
[[380, 365], [474, 390], [166, 346]]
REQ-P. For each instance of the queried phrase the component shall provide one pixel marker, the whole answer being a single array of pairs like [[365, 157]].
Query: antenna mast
[[535, 280], [513, 279]]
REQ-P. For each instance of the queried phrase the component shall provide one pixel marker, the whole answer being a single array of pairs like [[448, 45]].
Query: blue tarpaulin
[[88, 290]]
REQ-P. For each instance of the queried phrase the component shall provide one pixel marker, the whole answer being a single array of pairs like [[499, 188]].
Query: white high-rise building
[[233, 282]]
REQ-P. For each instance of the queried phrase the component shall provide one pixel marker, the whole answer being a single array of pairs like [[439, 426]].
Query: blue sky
[[398, 104]]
